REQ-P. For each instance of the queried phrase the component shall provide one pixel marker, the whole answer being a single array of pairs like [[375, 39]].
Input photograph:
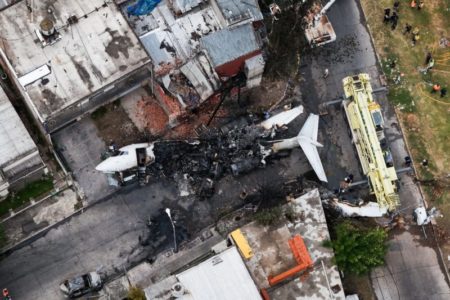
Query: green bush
[[136, 293], [268, 216], [358, 250], [31, 190], [99, 112], [3, 238]]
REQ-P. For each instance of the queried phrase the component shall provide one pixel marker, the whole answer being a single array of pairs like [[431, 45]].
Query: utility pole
[[173, 228]]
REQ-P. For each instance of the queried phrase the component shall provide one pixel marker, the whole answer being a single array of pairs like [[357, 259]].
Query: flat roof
[[15, 140], [96, 50], [221, 277], [272, 254]]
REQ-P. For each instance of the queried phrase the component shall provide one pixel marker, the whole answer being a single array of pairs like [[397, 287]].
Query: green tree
[[358, 250], [136, 293], [3, 238]]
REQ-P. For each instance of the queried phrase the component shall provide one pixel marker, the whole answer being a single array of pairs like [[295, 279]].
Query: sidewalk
[[166, 263], [39, 215]]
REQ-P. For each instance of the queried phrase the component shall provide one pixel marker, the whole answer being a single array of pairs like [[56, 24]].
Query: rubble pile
[[155, 118], [236, 150]]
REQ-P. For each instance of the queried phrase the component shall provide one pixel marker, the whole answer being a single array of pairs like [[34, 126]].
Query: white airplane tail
[[307, 139]]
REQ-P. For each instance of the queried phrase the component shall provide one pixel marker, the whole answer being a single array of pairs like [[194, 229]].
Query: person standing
[[415, 36], [396, 5], [436, 88], [420, 5], [387, 15], [428, 58], [407, 29]]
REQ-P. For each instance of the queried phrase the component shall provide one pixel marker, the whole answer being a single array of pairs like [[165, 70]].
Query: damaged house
[[195, 46]]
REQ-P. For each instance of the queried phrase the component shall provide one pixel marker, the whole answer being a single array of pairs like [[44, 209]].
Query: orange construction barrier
[[302, 257]]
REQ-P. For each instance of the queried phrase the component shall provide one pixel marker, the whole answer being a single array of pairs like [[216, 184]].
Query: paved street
[[107, 234], [412, 270]]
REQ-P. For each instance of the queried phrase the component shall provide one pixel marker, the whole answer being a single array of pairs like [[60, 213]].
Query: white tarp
[[34, 75]]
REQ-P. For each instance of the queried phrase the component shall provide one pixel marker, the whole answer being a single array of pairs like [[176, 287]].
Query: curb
[[53, 193], [30, 239], [433, 222]]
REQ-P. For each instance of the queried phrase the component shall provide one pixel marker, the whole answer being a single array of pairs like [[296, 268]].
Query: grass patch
[[99, 113], [3, 237], [402, 98], [423, 114], [30, 191]]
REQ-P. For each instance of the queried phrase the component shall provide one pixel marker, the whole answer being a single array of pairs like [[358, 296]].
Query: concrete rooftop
[[96, 50], [272, 254], [15, 140]]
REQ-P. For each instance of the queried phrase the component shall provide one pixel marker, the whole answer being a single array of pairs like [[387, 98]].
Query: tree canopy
[[358, 250]]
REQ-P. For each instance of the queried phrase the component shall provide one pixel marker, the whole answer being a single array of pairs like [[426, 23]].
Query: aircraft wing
[[282, 118], [311, 127], [307, 139]]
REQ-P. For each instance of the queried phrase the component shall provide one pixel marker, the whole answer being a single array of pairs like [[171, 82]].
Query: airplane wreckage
[[235, 148]]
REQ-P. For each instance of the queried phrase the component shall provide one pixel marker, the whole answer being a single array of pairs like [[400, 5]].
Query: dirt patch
[[114, 124], [268, 93], [360, 285], [152, 115], [412, 121], [198, 117]]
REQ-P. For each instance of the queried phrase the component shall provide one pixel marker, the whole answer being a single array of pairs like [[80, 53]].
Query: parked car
[[80, 285]]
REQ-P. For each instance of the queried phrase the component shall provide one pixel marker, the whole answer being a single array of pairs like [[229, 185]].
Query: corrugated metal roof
[[223, 276], [15, 141], [182, 6], [177, 40], [235, 11], [204, 79], [229, 44]]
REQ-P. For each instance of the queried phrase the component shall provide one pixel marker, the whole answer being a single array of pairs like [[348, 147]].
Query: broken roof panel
[[182, 6], [97, 49], [15, 140], [227, 45], [237, 11], [202, 76], [174, 43]]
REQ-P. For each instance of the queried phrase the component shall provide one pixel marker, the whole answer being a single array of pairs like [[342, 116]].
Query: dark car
[[80, 285]]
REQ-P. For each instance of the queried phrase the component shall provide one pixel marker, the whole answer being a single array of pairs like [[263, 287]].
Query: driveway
[[81, 147], [412, 269]]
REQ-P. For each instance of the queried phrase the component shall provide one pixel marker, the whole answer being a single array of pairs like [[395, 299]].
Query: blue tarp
[[142, 7]]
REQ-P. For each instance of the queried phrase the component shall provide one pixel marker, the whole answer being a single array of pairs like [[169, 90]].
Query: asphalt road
[[412, 269], [106, 235], [112, 234]]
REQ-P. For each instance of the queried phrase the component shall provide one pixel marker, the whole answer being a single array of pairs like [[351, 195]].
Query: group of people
[[393, 19]]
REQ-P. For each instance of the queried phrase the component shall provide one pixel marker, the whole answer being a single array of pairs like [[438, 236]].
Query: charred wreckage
[[236, 148]]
